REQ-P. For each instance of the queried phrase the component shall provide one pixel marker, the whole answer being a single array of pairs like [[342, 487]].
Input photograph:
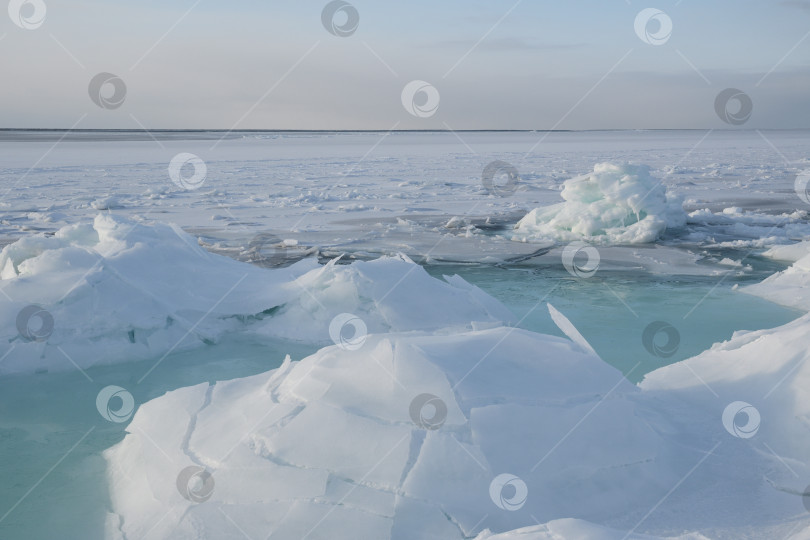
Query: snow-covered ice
[[615, 204], [329, 446], [137, 291], [790, 287], [431, 387]]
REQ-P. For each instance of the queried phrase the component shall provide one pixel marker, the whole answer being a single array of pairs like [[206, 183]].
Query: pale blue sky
[[537, 69]]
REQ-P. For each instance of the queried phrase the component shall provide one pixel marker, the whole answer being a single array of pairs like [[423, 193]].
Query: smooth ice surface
[[789, 252], [790, 287]]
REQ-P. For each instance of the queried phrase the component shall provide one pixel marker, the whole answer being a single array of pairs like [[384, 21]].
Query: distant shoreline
[[51, 135], [67, 130]]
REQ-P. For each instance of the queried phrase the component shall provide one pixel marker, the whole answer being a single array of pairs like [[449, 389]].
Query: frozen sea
[[283, 206]]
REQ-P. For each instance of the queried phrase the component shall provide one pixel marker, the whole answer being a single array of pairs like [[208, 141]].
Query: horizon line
[[272, 130]]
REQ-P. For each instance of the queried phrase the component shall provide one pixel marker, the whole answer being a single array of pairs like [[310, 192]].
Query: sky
[[529, 64]]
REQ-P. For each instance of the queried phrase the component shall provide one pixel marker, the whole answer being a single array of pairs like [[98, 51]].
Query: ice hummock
[[615, 204], [328, 447], [140, 290]]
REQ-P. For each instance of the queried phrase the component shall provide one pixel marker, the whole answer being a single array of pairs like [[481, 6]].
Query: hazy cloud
[[798, 4]]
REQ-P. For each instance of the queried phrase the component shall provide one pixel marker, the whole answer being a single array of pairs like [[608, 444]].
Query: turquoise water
[[43, 416], [52, 436], [611, 310]]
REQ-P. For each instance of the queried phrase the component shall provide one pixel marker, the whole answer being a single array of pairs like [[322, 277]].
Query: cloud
[[797, 4], [509, 44]]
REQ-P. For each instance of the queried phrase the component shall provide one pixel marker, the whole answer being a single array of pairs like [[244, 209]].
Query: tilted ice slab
[[790, 287], [330, 447], [789, 252], [615, 204], [766, 466], [139, 291]]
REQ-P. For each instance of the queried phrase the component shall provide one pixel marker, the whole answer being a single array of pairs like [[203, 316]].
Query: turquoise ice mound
[[614, 204]]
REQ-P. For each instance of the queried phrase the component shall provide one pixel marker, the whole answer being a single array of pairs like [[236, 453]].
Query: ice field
[[490, 335]]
